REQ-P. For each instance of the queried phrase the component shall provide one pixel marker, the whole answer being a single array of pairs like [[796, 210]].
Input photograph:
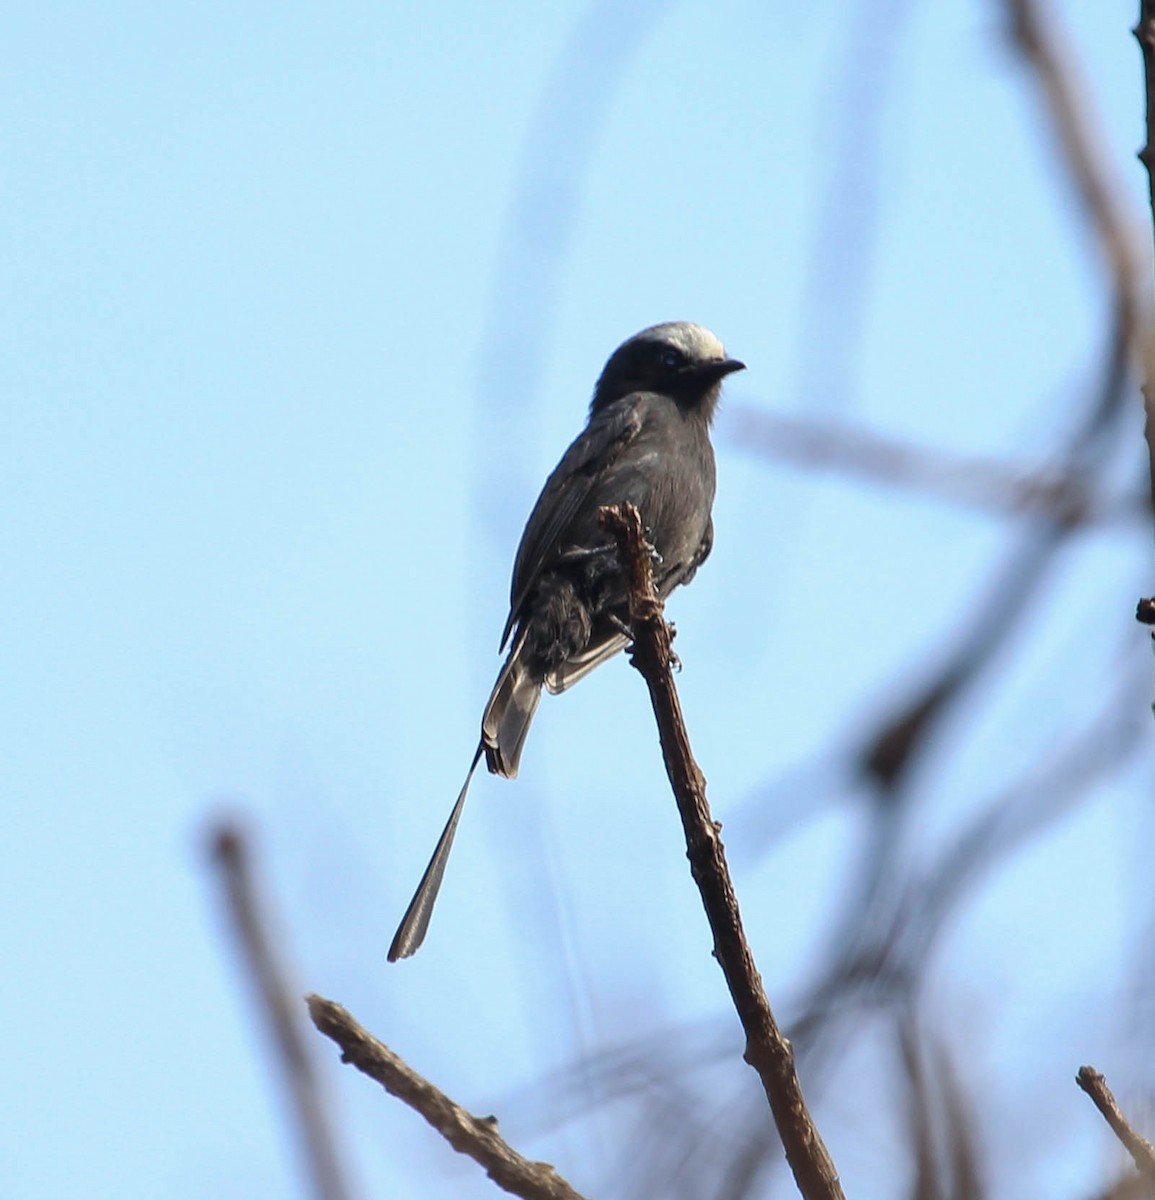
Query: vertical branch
[[1145, 35], [767, 1049], [230, 852]]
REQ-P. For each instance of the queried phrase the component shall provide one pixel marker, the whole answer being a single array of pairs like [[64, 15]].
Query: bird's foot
[[656, 558], [621, 626]]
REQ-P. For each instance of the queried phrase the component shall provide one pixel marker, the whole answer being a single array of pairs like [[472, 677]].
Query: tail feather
[[509, 713], [414, 924]]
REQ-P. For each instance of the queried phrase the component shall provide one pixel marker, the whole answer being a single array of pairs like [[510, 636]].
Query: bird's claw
[[652, 551]]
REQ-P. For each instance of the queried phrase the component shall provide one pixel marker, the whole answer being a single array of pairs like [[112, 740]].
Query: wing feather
[[566, 491]]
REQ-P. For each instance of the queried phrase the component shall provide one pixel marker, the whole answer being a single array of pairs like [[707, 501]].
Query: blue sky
[[303, 303]]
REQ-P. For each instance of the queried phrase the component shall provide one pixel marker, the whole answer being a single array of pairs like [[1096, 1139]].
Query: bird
[[646, 441]]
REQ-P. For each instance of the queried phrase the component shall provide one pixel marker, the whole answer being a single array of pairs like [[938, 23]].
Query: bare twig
[[767, 1049], [1140, 1149], [230, 851], [476, 1137]]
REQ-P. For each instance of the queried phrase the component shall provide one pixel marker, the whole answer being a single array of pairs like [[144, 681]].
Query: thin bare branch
[[767, 1049], [1145, 35], [1140, 1149], [231, 853], [476, 1137]]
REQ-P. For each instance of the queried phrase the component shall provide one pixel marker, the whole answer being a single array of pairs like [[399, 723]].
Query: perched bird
[[647, 441]]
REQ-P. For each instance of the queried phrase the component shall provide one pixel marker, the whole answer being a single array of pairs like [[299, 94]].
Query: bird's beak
[[719, 368]]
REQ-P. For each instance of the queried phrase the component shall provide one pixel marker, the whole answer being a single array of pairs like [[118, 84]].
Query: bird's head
[[678, 359]]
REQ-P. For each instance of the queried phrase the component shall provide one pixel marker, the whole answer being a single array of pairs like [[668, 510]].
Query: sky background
[[302, 304]]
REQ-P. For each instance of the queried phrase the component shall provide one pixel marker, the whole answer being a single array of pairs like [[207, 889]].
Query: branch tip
[[1142, 1152]]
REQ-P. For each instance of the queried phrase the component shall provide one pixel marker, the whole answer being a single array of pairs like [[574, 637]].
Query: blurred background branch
[[1002, 489], [280, 1013]]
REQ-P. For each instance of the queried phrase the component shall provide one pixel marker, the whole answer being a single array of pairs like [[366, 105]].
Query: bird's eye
[[671, 359]]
